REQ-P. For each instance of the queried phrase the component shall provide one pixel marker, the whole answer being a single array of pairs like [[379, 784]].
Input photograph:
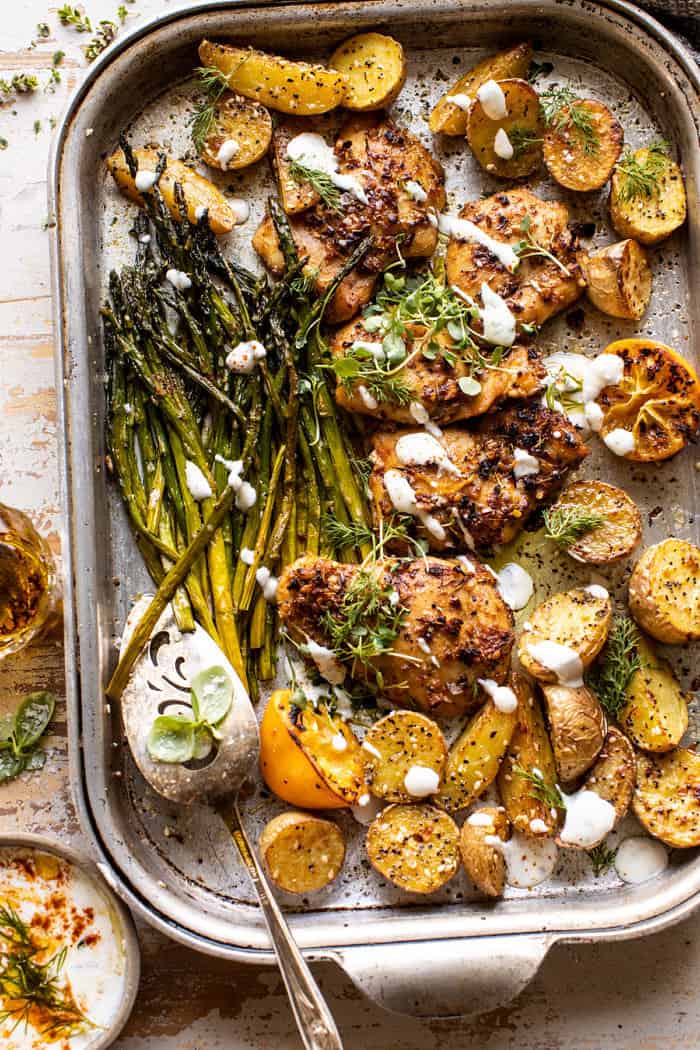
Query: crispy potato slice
[[451, 119], [577, 619], [657, 400], [199, 192], [577, 728], [309, 757], [375, 69], [655, 714], [290, 87], [522, 124], [415, 847], [301, 853], [484, 864], [664, 591], [398, 743], [529, 750], [243, 122], [618, 279], [620, 532], [475, 758], [667, 798], [577, 161], [614, 774], [648, 209], [295, 196]]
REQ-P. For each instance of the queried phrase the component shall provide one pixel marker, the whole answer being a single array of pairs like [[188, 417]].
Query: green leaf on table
[[11, 765], [171, 739], [7, 725], [212, 695], [35, 761], [32, 719]]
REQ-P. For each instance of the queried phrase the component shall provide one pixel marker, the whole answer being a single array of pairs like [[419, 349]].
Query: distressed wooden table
[[635, 994]]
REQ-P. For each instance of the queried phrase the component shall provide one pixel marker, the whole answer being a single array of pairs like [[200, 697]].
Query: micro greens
[[20, 734], [320, 181], [76, 17], [541, 790], [528, 248], [177, 738], [565, 525], [642, 178], [213, 83], [621, 660], [565, 111], [602, 858]]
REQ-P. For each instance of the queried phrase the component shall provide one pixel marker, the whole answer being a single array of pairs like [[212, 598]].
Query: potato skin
[[448, 119], [664, 591], [667, 797], [618, 279], [655, 714], [483, 862], [614, 774], [577, 728], [523, 113], [415, 847], [617, 536], [375, 67], [302, 853], [654, 218], [403, 739], [574, 618], [529, 749], [243, 121], [565, 154], [474, 759]]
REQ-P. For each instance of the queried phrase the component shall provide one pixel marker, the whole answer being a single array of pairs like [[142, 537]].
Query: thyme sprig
[[565, 525], [527, 247], [540, 789], [106, 33], [69, 15], [621, 660], [642, 178], [20, 84], [602, 858], [320, 181], [213, 84], [563, 110]]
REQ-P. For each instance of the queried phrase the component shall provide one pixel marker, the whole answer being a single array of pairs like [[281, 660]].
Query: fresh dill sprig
[[621, 660], [642, 178], [528, 247], [346, 534], [522, 139], [213, 83], [76, 17], [320, 181], [541, 790], [565, 525], [602, 858], [565, 111]]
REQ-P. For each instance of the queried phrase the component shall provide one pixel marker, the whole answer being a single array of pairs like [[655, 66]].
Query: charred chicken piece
[[451, 626]]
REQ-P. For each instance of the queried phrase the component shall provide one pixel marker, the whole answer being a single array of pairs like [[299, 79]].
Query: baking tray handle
[[445, 978]]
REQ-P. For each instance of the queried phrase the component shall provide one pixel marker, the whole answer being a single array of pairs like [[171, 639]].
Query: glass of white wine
[[29, 588]]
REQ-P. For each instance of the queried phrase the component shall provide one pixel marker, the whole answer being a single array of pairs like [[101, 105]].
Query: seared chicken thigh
[[453, 629], [477, 487]]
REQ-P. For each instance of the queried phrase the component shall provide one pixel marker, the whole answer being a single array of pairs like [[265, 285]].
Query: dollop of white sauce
[[497, 319], [267, 582], [596, 591], [423, 449], [420, 414], [568, 371], [492, 99], [421, 781], [311, 150], [243, 358], [461, 101], [504, 698], [525, 464], [515, 585], [403, 499], [240, 209], [639, 859], [502, 146], [529, 861], [593, 414], [247, 556], [338, 742], [375, 349], [589, 818], [464, 230], [145, 180], [178, 279], [366, 398], [371, 749], [620, 441], [564, 661], [246, 495], [480, 819], [415, 190], [368, 807], [227, 151], [196, 481], [538, 826], [328, 664]]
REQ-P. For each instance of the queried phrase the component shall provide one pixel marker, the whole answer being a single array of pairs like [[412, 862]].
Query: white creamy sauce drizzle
[[538, 826], [596, 591], [311, 150], [243, 358], [245, 493], [328, 664], [424, 645], [480, 819], [421, 450], [240, 209], [466, 563], [371, 749], [492, 99], [620, 441], [267, 582], [524, 464], [338, 742], [403, 499], [420, 414], [367, 399], [561, 659], [502, 146], [589, 818], [415, 190], [464, 230], [227, 151], [375, 349], [145, 180], [196, 481], [421, 781], [515, 585], [179, 280], [247, 556], [504, 699], [639, 859], [461, 101], [529, 861], [497, 320], [568, 370]]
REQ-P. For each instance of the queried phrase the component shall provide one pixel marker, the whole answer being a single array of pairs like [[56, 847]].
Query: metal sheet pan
[[176, 869]]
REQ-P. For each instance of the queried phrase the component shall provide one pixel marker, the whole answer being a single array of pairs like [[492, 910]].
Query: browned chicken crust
[[457, 628], [485, 505]]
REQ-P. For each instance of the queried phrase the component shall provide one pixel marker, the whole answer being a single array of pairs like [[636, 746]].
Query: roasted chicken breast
[[385, 159], [539, 287], [455, 626], [489, 479]]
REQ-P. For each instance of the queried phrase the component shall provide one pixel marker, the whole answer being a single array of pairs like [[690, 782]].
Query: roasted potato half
[[483, 862], [667, 797], [664, 591], [404, 752], [240, 134], [579, 620], [451, 119], [582, 144], [647, 195], [577, 728], [657, 400], [618, 534], [510, 146], [655, 714], [290, 87], [199, 192], [375, 69], [301, 853], [415, 847], [618, 279], [529, 750], [614, 774], [474, 759]]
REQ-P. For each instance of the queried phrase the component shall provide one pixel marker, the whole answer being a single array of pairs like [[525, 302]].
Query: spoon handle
[[314, 1020]]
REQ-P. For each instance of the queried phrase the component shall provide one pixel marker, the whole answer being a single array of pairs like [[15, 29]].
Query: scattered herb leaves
[[177, 739], [642, 178], [602, 859], [564, 525], [20, 734], [564, 111], [620, 661], [541, 790]]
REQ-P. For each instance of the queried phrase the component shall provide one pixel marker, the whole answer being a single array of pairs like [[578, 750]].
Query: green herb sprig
[[527, 247], [642, 178], [20, 84], [70, 15], [563, 110], [320, 181], [602, 859], [213, 84], [106, 33], [621, 660], [565, 525], [20, 734], [540, 789], [522, 139], [176, 738]]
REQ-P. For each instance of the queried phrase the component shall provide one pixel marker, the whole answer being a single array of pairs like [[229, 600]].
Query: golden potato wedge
[[415, 847], [581, 145], [484, 864], [301, 853], [241, 128], [667, 797], [647, 195], [664, 591], [400, 745], [295, 196], [614, 774], [199, 192], [375, 69], [579, 620], [655, 713], [290, 87], [522, 125], [529, 750], [577, 728], [618, 279], [451, 119], [474, 759], [614, 538]]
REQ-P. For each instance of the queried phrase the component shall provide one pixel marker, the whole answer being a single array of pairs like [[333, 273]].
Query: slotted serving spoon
[[160, 684]]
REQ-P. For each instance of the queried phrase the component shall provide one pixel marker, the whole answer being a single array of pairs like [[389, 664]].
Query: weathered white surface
[[639, 995]]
